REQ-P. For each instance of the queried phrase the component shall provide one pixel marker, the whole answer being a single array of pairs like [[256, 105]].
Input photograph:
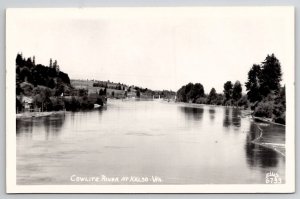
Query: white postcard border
[[12, 187]]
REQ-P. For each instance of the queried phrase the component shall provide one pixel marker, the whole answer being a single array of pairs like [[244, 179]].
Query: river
[[175, 143]]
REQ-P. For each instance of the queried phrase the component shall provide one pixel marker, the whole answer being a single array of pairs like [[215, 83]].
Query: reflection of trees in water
[[232, 118], [227, 120], [259, 156], [100, 112], [24, 126], [236, 117], [212, 113], [53, 124], [192, 112], [76, 116], [101, 109]]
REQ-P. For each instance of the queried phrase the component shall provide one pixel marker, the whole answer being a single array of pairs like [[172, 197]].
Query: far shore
[[246, 112]]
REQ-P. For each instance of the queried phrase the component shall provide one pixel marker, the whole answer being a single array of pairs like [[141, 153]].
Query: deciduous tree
[[237, 91]]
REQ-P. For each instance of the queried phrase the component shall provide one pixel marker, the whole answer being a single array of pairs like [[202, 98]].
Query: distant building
[[131, 94], [27, 103]]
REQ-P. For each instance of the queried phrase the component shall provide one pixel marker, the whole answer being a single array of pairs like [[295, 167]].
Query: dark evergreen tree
[[252, 85], [270, 75], [51, 84], [19, 60], [50, 63], [138, 93]]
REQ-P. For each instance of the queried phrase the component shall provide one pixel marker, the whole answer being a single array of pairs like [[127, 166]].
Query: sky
[[155, 48]]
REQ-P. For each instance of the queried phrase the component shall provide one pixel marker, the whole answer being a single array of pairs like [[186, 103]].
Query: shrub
[[264, 109], [72, 105], [57, 104], [243, 102], [201, 100], [280, 119], [228, 102]]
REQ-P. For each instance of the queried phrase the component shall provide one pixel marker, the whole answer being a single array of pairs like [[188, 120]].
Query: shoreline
[[272, 146], [27, 115], [267, 120], [247, 112]]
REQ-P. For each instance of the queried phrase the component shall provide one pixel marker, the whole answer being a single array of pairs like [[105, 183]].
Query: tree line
[[38, 74], [264, 94], [194, 93]]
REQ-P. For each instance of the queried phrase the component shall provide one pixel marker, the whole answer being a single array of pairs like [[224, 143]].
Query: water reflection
[[232, 118], [24, 126], [227, 120], [52, 124], [257, 155], [192, 112], [212, 114], [236, 117]]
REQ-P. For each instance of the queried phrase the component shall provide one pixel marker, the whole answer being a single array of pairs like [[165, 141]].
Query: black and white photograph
[[150, 100]]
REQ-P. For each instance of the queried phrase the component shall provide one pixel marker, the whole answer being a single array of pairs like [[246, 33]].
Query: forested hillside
[[40, 75]]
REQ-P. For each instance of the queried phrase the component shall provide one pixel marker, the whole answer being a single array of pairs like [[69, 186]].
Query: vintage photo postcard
[[150, 100]]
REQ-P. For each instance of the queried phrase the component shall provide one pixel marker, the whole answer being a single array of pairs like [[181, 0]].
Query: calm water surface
[[181, 144]]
